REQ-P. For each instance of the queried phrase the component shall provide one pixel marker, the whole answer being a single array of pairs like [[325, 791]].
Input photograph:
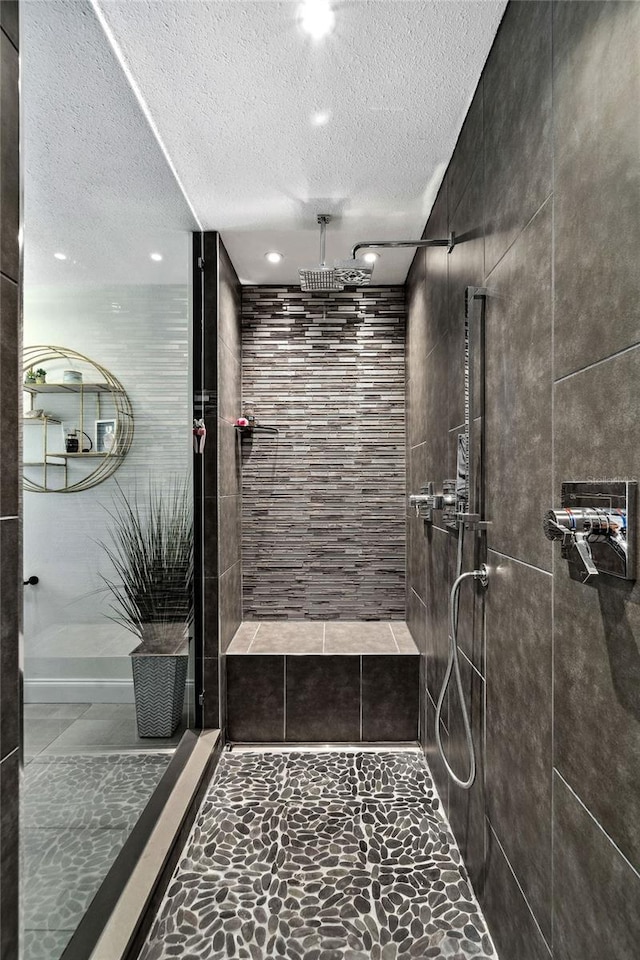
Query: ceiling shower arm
[[449, 243]]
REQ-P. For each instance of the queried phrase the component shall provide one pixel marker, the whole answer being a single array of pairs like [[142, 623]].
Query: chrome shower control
[[593, 527], [449, 502], [425, 502]]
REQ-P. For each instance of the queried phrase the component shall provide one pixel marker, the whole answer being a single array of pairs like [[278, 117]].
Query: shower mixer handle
[[426, 501], [578, 528]]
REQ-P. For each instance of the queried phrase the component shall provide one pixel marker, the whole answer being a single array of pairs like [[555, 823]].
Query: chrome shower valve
[[425, 502], [592, 527]]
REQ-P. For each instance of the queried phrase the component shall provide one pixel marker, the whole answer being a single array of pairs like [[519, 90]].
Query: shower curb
[[118, 918]]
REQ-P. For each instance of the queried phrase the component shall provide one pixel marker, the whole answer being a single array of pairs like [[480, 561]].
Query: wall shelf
[[35, 388], [80, 455], [97, 409]]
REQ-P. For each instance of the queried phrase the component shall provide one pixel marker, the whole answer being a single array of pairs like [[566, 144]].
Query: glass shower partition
[[107, 455]]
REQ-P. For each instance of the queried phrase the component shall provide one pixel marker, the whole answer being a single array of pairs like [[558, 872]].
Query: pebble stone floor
[[332, 855], [77, 813]]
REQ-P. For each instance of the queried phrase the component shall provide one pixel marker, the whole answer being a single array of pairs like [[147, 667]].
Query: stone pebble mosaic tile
[[342, 855], [77, 813]]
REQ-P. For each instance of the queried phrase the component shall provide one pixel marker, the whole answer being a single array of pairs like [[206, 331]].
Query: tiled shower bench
[[306, 681]]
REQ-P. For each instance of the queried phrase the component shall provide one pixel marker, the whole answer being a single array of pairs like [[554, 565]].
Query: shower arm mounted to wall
[[449, 243]]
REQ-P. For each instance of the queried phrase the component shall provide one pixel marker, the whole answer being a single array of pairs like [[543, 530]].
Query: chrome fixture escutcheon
[[595, 526]]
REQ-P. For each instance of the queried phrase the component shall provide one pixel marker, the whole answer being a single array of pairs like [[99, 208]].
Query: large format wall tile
[[10, 553], [597, 180], [467, 153], [417, 620], [416, 527], [597, 893], [416, 350], [230, 600], [519, 718], [440, 776], [229, 384], [230, 477], [437, 403], [9, 160], [323, 698], [511, 922], [255, 698], [229, 531], [10, 539], [517, 125], [466, 268], [229, 304], [597, 625], [467, 807], [9, 412], [9, 20], [563, 294], [438, 572], [518, 395], [9, 857], [324, 503], [390, 698], [436, 274]]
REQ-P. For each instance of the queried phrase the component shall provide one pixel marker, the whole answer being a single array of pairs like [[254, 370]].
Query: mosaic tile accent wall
[[323, 504]]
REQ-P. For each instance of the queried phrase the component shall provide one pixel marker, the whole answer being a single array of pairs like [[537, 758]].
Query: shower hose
[[453, 665]]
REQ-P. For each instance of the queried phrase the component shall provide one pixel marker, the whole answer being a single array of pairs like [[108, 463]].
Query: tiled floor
[[325, 855], [88, 777], [68, 729], [77, 813], [316, 637]]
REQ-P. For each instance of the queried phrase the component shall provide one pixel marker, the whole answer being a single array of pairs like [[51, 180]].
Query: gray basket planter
[[159, 667]]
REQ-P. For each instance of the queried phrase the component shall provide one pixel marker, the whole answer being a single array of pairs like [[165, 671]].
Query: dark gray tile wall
[[10, 504], [323, 505], [544, 175], [324, 698], [229, 461], [221, 503]]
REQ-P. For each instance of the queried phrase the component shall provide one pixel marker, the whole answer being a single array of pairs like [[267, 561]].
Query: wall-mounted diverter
[[595, 526]]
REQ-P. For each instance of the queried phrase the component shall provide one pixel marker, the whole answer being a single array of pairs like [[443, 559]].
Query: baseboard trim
[[72, 690]]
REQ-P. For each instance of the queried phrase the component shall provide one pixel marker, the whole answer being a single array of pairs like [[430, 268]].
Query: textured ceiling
[[96, 185], [231, 87]]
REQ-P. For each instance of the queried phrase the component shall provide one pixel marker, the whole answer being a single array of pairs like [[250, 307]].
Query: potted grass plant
[[151, 592]]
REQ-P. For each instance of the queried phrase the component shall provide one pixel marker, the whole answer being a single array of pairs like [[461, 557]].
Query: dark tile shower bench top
[[306, 681], [345, 637]]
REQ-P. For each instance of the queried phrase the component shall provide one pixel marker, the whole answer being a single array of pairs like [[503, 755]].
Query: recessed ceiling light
[[370, 257], [156, 256], [316, 18], [60, 256], [321, 119], [273, 256]]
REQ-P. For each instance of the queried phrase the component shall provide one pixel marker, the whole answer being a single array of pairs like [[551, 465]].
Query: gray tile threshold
[[121, 927], [323, 638]]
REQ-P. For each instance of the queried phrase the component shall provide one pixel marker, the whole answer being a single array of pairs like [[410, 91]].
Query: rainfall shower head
[[353, 272], [332, 279], [319, 278]]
